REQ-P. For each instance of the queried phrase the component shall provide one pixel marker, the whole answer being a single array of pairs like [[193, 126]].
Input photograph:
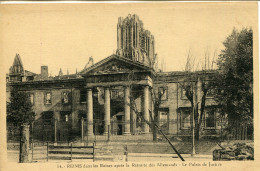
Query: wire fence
[[61, 131]]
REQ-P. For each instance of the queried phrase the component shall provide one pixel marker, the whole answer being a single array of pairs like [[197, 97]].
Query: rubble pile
[[238, 151]]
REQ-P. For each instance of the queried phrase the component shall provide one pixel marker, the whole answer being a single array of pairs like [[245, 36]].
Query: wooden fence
[[70, 152]]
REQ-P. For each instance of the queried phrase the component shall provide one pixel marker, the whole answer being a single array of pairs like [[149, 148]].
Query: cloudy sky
[[66, 35]]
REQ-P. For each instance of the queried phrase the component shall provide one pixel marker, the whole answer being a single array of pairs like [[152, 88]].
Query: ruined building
[[99, 95]]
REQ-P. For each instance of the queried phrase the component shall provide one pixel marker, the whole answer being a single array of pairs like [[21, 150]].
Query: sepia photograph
[[155, 85]]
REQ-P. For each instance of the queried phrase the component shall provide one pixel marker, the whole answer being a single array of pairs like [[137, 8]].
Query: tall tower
[[44, 72], [134, 42], [16, 71]]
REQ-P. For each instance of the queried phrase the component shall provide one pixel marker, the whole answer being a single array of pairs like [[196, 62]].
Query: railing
[[70, 152], [59, 131]]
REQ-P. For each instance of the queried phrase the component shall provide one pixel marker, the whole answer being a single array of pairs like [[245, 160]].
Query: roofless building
[[97, 98]]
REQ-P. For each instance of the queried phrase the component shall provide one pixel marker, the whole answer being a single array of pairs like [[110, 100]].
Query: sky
[[66, 35]]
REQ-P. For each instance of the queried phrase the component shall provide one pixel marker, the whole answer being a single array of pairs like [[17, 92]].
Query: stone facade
[[100, 93], [178, 107]]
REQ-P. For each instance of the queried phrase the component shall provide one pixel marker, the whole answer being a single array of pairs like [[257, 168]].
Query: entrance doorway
[[63, 132], [117, 124]]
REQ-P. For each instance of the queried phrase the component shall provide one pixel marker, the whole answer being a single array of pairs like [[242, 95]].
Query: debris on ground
[[238, 151]]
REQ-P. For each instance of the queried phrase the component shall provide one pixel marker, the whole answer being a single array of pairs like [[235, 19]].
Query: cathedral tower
[[134, 42], [16, 71]]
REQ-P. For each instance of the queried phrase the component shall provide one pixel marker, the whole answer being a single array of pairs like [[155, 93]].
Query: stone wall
[[176, 101]]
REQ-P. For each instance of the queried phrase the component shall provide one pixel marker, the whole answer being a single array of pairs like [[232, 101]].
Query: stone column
[[146, 109], [127, 111], [132, 121], [107, 110], [89, 112]]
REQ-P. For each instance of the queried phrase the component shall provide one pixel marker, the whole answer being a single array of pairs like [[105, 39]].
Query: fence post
[[71, 152], [32, 152], [242, 132], [47, 149], [112, 127], [96, 126], [126, 154], [87, 135], [108, 135], [55, 132], [246, 133], [32, 140], [82, 131], [68, 133], [93, 152]]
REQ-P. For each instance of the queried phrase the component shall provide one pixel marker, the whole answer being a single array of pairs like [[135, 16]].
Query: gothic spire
[[17, 67], [60, 72]]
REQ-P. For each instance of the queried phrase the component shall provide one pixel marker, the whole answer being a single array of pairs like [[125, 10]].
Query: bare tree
[[196, 84], [154, 115]]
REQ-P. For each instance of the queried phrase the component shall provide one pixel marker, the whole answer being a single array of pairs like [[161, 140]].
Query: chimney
[[44, 72]]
